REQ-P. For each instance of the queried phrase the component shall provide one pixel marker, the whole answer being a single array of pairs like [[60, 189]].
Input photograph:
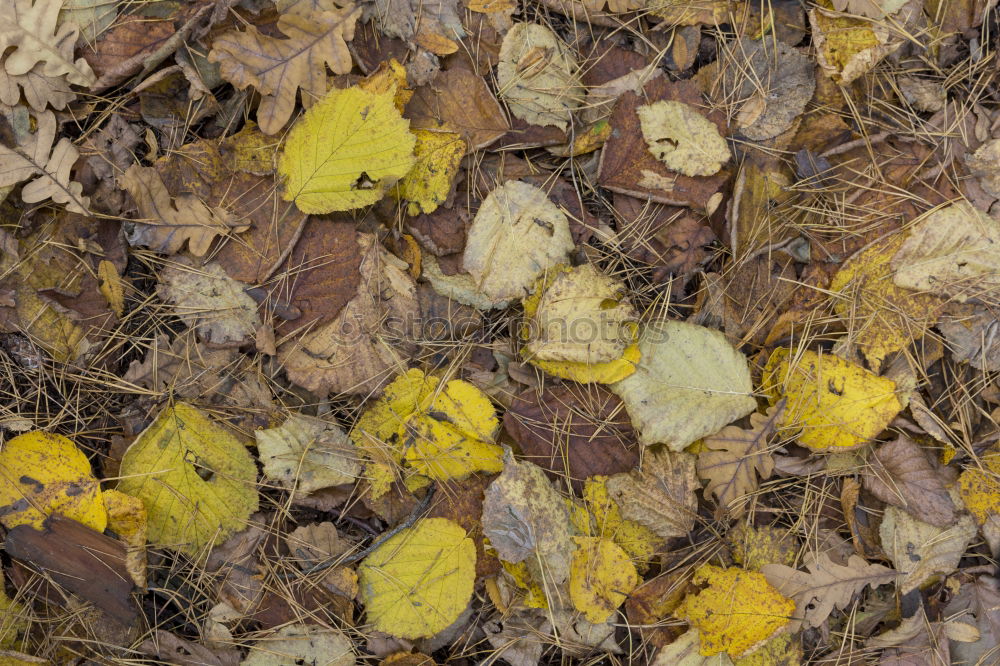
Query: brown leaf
[[459, 100], [661, 495], [130, 35], [278, 68], [672, 240], [627, 165], [900, 474], [71, 553], [48, 168], [573, 431], [733, 459]]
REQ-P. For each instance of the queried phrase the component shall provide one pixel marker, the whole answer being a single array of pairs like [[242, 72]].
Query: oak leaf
[[661, 495], [170, 222], [827, 586], [277, 68], [733, 458], [50, 167]]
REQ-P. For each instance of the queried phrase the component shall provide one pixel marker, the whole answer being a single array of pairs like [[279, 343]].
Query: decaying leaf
[[688, 383], [733, 458], [306, 453], [538, 76], [302, 644], [48, 168], [42, 474], [831, 402], [952, 251], [211, 302], [195, 478], [734, 593], [460, 100], [661, 495], [686, 651], [682, 138], [277, 68], [601, 577], [900, 473], [427, 185], [972, 337], [517, 234], [636, 539], [847, 47], [920, 550], [170, 222], [420, 580], [827, 586], [346, 152], [979, 486]]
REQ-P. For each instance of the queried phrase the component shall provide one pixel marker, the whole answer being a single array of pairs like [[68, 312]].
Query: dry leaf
[[733, 458], [460, 100], [661, 495], [827, 586], [302, 644], [682, 138], [47, 167], [920, 550], [601, 577], [211, 302], [168, 223], [278, 68], [538, 76], [306, 454], [899, 473], [848, 47]]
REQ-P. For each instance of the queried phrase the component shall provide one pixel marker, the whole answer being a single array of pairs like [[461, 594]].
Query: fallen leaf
[[346, 151], [169, 222], [920, 550], [733, 458], [848, 47], [48, 168], [43, 474], [832, 403], [277, 68], [753, 547], [460, 100], [682, 138], [636, 539], [827, 586], [526, 520], [979, 598], [915, 641], [736, 611], [195, 478], [573, 431], [306, 454], [601, 577], [660, 495], [972, 337], [686, 651], [419, 581], [899, 473], [881, 317], [538, 76], [951, 251], [211, 302], [517, 234], [689, 383], [302, 644], [427, 185], [91, 17], [979, 487], [127, 518]]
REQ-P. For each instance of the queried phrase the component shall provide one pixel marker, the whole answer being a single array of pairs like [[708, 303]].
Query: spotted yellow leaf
[[979, 487], [736, 611], [195, 478], [42, 474], [831, 402], [438, 156], [600, 578], [636, 539], [346, 151], [419, 581]]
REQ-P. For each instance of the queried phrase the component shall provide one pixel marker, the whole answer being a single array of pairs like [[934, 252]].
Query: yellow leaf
[[127, 518], [882, 317], [683, 139], [346, 151], [13, 619], [737, 610], [636, 539], [428, 183], [568, 301], [601, 577], [847, 47], [833, 402], [441, 431], [419, 581], [980, 487], [195, 478], [42, 474], [521, 574], [389, 77], [112, 286]]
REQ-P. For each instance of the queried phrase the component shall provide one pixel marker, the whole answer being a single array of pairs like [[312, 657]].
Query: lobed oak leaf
[[50, 167], [277, 68], [827, 586], [733, 458]]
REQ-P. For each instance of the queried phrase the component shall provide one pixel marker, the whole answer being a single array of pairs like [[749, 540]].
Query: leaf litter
[[539, 331]]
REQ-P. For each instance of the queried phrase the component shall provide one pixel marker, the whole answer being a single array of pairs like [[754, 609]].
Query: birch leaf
[[346, 151], [307, 453]]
